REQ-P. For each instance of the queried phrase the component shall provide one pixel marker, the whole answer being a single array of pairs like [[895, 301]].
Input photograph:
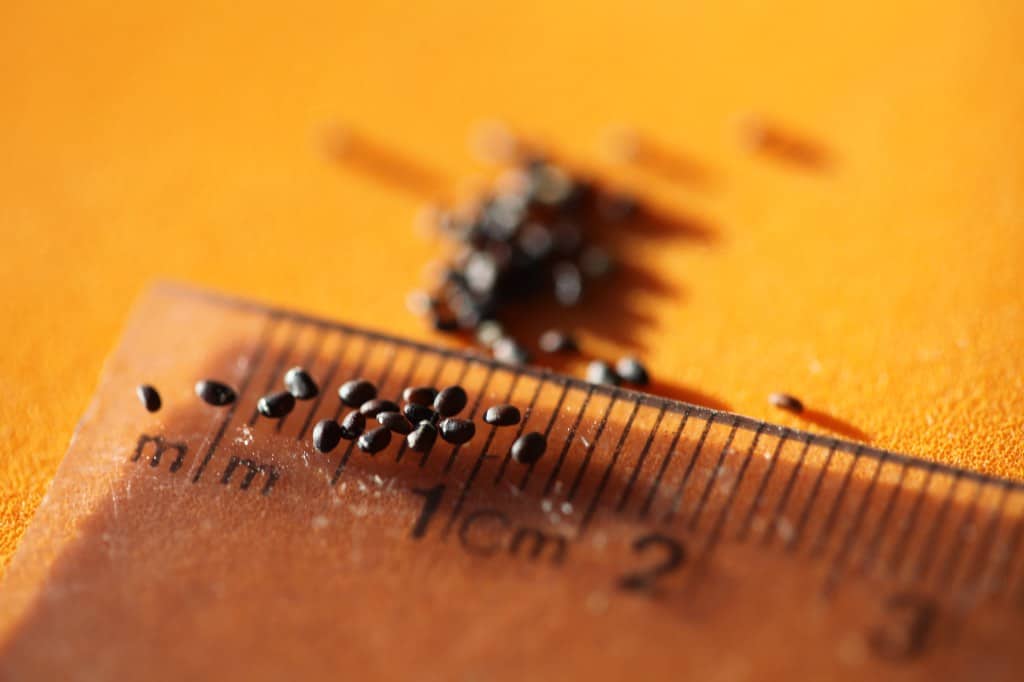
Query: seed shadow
[[657, 158], [781, 143], [686, 394], [384, 163], [834, 424]]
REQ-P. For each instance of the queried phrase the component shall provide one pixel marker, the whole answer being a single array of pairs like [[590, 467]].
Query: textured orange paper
[[881, 286]]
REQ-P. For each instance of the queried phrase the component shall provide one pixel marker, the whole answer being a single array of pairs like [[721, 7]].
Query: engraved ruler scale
[[654, 539]]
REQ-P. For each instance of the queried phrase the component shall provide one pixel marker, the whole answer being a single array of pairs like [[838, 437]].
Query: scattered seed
[[489, 332], [419, 413], [502, 415], [276, 405], [457, 431], [568, 283], [509, 351], [600, 372], [450, 401], [375, 440], [529, 447], [557, 341], [422, 438], [395, 421], [356, 392], [632, 370], [352, 425], [784, 401], [300, 384], [326, 435], [149, 397], [420, 395], [371, 408], [595, 262], [215, 393]]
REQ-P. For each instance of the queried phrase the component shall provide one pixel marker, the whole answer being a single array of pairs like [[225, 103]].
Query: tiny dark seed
[[507, 350], [502, 415], [395, 421], [600, 372], [149, 397], [632, 370], [784, 401], [372, 408], [326, 435], [568, 283], [419, 413], [450, 401], [352, 425], [457, 431], [529, 447], [276, 405], [556, 341], [376, 440], [422, 438], [300, 384], [215, 393], [419, 395], [356, 392]]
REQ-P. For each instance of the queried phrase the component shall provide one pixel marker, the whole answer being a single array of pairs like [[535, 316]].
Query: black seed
[[507, 350], [326, 435], [600, 372], [529, 447], [632, 370], [376, 440], [419, 413], [149, 397], [557, 341], [422, 438], [276, 405], [352, 425], [420, 395], [784, 401], [300, 384], [488, 332], [395, 421], [502, 415], [215, 393], [595, 262], [457, 431], [356, 392], [568, 283], [372, 408], [450, 401]]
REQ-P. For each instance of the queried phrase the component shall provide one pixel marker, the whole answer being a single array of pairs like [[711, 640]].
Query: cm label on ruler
[[648, 521]]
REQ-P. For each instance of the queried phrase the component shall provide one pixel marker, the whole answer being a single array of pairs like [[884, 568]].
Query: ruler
[[654, 539]]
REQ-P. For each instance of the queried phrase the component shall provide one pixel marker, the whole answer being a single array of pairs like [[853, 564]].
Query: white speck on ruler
[[566, 508]]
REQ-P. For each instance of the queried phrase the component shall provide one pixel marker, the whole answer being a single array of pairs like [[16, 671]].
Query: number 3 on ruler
[[673, 557]]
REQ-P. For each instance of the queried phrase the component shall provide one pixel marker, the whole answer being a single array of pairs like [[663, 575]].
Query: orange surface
[[882, 288]]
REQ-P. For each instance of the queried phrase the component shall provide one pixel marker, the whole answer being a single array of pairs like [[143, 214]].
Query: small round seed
[[395, 421], [352, 425], [276, 405], [215, 393], [149, 397], [600, 372], [419, 413], [489, 332], [375, 440], [509, 351], [502, 415], [419, 395], [457, 431], [372, 408], [632, 370], [300, 384], [422, 438], [356, 392], [450, 401], [568, 283], [557, 341], [784, 401], [529, 447], [326, 435]]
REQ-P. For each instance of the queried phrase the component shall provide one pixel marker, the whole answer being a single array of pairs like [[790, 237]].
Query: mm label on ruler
[[653, 538]]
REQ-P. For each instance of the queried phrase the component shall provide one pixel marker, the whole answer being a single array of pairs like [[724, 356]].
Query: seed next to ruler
[[375, 440], [457, 431], [419, 395], [450, 401], [326, 435], [632, 370], [529, 447], [600, 372], [502, 415], [556, 341], [215, 393], [422, 438], [276, 405], [395, 421], [300, 384], [149, 397], [416, 413], [371, 408], [356, 392], [784, 401], [352, 425]]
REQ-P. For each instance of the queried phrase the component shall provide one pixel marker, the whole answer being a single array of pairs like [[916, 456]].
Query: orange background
[[141, 142]]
